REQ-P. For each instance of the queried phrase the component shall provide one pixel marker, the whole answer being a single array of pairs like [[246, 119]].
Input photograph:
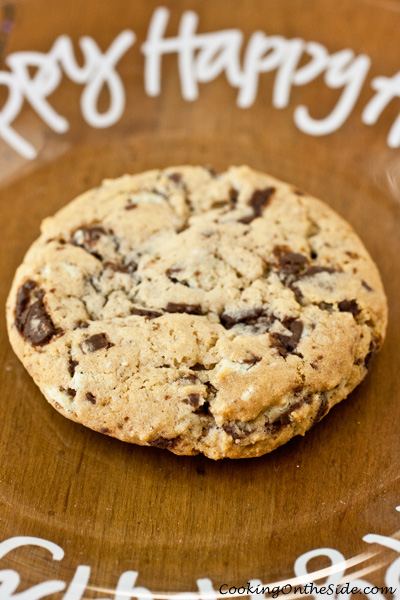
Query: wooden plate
[[189, 524]]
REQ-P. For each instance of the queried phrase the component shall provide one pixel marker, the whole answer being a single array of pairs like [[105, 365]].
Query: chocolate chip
[[98, 341], [191, 309], [162, 442], [129, 268], [72, 364], [104, 430], [131, 206], [82, 325], [31, 318], [144, 312], [286, 344], [90, 397], [349, 306], [193, 400], [366, 286]]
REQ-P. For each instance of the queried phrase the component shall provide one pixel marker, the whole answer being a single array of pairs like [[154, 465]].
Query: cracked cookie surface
[[198, 312]]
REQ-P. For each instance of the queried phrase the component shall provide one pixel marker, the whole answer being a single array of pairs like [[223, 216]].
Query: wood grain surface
[[117, 507]]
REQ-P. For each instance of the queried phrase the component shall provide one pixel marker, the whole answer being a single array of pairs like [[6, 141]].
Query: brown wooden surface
[[117, 507]]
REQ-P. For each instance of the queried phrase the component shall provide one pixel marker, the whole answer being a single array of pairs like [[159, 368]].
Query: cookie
[[195, 311]]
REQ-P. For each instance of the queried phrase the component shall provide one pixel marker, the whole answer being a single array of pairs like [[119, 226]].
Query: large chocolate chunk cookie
[[199, 312]]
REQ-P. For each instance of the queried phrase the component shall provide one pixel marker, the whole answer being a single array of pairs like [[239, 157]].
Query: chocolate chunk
[[366, 286], [246, 220], [98, 341], [39, 329], [90, 397], [211, 387], [285, 417], [31, 318], [144, 312], [91, 235], [258, 202], [204, 409], [234, 431], [131, 206], [191, 309], [317, 269], [227, 321], [163, 443], [72, 364], [129, 268], [349, 306], [254, 317], [70, 391], [286, 344], [193, 400], [290, 263], [23, 301], [198, 367]]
